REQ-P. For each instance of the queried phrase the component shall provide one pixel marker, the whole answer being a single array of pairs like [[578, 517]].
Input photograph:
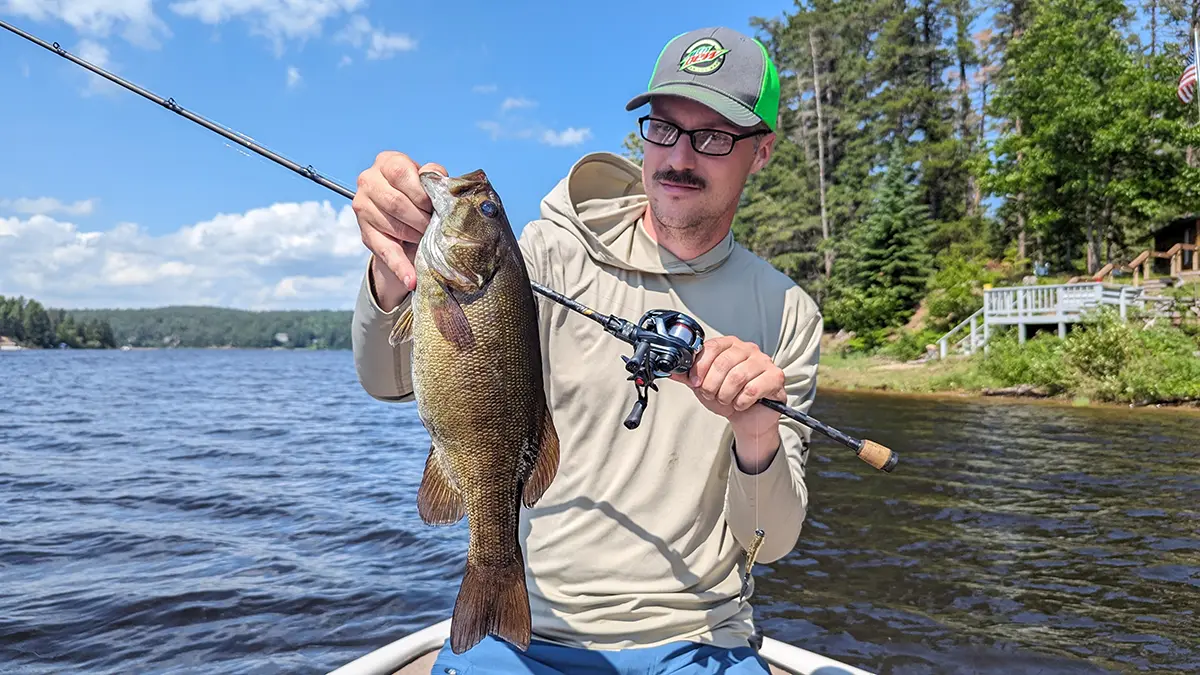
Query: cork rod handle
[[878, 456]]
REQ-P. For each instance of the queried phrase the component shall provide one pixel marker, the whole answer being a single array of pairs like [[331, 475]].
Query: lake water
[[253, 512]]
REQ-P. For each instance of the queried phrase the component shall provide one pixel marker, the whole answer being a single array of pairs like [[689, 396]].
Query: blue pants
[[493, 655]]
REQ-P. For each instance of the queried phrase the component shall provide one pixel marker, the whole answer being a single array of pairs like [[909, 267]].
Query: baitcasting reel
[[665, 342]]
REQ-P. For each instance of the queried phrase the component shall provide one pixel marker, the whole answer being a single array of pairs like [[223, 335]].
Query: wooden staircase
[[1141, 268], [1157, 284]]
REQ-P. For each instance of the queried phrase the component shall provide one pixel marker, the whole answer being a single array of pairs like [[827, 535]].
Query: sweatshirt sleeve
[[777, 498], [385, 372]]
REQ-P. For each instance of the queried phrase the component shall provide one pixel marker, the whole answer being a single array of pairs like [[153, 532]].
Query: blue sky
[[108, 200]]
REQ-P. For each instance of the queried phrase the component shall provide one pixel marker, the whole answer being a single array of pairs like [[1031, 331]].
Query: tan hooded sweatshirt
[[638, 541]]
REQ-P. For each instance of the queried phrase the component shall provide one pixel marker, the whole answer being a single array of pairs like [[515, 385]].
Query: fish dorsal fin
[[546, 466], [439, 501]]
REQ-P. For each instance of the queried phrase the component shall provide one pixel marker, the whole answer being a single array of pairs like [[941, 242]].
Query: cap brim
[[725, 106]]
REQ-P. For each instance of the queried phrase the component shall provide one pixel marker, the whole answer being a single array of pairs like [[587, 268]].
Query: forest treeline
[[928, 147], [189, 326], [29, 323]]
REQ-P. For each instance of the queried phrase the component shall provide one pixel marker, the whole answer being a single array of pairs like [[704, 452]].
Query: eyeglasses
[[704, 141]]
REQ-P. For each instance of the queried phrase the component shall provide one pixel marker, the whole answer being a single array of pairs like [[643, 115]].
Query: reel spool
[[667, 342]]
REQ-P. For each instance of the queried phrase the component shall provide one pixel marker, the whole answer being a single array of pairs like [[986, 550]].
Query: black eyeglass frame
[[691, 135]]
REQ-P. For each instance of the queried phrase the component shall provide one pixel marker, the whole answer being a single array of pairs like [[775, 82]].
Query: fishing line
[[664, 341]]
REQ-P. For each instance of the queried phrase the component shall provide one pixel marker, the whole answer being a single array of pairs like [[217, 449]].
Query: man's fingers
[[711, 350], [768, 384], [370, 215], [402, 183], [720, 367], [392, 253], [737, 378], [433, 166]]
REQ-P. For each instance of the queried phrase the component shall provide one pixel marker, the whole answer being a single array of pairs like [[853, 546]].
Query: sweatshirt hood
[[601, 201]]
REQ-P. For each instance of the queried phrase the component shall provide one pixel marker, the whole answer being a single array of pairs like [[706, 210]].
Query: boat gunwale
[[391, 658]]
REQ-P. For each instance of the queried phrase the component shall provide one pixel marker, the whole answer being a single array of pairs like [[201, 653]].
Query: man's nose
[[682, 155]]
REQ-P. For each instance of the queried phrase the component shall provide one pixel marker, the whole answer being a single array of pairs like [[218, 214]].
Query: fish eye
[[489, 208]]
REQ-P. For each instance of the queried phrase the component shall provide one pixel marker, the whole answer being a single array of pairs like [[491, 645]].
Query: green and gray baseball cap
[[722, 69]]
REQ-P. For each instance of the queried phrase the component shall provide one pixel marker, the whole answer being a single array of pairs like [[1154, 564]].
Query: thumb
[[433, 166], [682, 378]]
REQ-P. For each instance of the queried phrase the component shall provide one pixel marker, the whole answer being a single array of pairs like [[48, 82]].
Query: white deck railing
[[1024, 305]]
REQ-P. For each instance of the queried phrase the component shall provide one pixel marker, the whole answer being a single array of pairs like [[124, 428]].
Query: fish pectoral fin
[[402, 331], [546, 466], [450, 319], [439, 501]]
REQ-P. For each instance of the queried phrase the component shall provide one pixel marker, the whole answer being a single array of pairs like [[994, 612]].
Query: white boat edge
[[391, 658]]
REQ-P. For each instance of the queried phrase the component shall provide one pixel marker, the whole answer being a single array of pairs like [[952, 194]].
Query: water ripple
[[253, 512]]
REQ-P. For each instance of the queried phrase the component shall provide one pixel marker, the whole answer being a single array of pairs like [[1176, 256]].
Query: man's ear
[[762, 152]]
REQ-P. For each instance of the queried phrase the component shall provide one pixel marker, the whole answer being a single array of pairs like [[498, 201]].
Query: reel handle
[[635, 414]]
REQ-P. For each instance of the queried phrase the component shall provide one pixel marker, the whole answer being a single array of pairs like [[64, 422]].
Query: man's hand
[[728, 378], [393, 211]]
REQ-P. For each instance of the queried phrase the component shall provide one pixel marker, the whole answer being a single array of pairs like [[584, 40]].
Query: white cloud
[[293, 76], [97, 55], [287, 255], [346, 60], [497, 130], [97, 18], [276, 20], [379, 44], [24, 70], [47, 205], [568, 136], [512, 126], [511, 103]]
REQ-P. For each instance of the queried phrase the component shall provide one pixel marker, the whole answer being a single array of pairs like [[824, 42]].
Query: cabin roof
[[1176, 222]]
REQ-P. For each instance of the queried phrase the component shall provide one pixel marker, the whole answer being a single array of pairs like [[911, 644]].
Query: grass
[[1103, 360], [854, 372]]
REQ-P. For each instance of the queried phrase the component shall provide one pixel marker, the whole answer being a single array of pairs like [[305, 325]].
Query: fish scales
[[477, 379]]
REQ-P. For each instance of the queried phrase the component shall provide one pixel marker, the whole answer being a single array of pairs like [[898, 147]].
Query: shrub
[[859, 311], [1039, 362], [1100, 346], [956, 291], [910, 345]]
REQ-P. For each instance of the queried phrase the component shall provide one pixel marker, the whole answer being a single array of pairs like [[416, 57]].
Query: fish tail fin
[[491, 600]]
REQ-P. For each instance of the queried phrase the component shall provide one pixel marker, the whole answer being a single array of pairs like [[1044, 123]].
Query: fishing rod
[[174, 107], [664, 341], [667, 342]]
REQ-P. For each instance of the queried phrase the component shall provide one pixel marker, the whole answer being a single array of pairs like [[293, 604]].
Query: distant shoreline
[[952, 380], [151, 349], [963, 395]]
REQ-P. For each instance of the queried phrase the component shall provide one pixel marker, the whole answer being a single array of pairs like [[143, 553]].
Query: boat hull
[[415, 653]]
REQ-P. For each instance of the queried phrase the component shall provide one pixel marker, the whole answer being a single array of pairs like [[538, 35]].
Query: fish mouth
[[439, 192], [441, 235], [444, 190]]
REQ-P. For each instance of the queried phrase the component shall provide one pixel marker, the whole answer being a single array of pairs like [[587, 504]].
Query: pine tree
[[776, 222], [894, 257], [632, 146]]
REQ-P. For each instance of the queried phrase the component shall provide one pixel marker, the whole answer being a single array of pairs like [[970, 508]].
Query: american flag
[[1187, 81]]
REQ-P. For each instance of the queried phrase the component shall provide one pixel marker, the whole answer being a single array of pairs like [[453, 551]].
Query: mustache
[[681, 177]]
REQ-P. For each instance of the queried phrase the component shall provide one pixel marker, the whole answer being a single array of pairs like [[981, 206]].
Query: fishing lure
[[751, 554]]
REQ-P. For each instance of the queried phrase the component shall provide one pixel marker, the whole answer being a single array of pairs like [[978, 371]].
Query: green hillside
[[186, 326]]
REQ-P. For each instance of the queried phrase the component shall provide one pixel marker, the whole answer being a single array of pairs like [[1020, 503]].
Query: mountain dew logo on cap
[[703, 57]]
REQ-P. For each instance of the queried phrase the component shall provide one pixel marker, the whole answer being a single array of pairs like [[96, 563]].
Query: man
[[634, 553]]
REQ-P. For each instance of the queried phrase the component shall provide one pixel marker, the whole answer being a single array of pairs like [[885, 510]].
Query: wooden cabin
[[1182, 230]]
